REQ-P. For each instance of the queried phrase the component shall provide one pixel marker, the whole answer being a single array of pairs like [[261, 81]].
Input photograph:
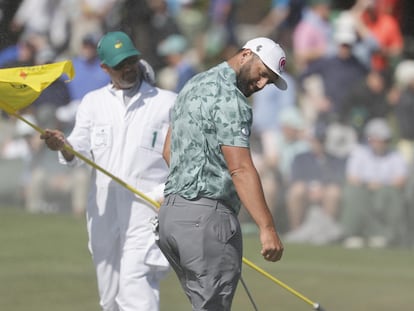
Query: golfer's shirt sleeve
[[233, 120]]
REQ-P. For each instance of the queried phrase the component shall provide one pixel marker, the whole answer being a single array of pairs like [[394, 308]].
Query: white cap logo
[[282, 64]]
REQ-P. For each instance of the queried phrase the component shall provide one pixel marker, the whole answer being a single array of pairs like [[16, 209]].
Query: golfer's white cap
[[272, 55]]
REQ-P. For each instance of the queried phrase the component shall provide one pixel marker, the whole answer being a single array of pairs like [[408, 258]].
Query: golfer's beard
[[244, 86], [243, 83]]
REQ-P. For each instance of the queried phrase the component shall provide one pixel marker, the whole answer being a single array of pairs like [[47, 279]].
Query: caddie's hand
[[54, 139], [272, 247]]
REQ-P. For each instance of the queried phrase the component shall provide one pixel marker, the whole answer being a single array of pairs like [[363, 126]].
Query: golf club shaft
[[248, 294]]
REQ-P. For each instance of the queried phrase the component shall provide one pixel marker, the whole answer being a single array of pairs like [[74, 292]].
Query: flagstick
[[90, 162]]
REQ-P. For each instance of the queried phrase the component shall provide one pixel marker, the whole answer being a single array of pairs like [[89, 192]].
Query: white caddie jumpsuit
[[127, 141]]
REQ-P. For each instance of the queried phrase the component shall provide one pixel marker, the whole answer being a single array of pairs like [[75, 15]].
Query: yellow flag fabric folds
[[20, 86]]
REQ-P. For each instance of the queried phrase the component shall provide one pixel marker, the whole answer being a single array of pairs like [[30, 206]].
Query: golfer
[[212, 175], [122, 127]]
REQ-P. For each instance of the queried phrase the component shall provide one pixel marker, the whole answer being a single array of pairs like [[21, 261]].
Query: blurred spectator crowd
[[335, 151]]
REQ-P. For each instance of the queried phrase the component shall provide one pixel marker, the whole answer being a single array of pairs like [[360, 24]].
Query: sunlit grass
[[45, 265]]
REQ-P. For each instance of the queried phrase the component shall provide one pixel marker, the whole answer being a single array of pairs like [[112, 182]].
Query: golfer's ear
[[245, 55], [167, 147]]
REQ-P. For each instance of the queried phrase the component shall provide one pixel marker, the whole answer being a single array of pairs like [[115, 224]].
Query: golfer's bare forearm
[[249, 189], [247, 183]]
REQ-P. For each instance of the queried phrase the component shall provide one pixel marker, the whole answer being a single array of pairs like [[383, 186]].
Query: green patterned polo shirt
[[209, 112]]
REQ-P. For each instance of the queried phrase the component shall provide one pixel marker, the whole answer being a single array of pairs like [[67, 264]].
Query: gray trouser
[[202, 240]]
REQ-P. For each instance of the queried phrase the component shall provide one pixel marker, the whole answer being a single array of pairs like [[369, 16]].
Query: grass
[[45, 265]]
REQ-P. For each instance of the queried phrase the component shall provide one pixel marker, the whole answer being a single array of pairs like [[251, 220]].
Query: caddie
[[122, 128]]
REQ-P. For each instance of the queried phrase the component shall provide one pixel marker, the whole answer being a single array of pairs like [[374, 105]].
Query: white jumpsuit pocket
[[153, 138], [101, 137]]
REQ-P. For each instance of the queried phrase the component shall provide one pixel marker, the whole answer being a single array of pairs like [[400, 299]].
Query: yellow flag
[[20, 86]]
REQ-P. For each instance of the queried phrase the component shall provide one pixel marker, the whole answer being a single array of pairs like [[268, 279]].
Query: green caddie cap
[[114, 47]]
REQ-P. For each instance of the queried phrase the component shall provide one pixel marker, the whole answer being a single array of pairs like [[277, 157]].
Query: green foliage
[[45, 265]]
